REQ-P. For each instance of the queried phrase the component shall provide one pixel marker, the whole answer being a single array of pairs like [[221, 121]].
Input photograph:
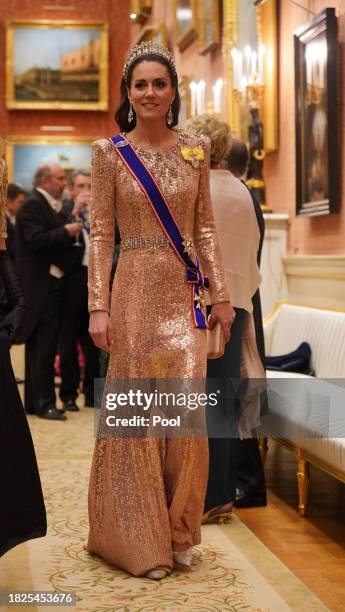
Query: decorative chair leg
[[263, 448], [303, 483]]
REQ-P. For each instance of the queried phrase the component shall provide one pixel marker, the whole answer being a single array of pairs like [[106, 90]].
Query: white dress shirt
[[85, 261], [11, 218]]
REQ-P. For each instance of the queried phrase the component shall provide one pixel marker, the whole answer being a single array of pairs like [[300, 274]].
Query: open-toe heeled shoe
[[184, 558], [218, 515], [157, 574]]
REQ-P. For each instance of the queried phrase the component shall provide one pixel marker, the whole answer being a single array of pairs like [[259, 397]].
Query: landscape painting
[[25, 155], [57, 65]]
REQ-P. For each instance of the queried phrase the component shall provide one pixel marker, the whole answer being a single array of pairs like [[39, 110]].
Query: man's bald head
[[51, 178]]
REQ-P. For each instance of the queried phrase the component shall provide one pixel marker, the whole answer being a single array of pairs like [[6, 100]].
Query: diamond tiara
[[147, 48]]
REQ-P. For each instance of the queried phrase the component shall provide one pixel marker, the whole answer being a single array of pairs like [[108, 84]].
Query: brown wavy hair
[[121, 115]]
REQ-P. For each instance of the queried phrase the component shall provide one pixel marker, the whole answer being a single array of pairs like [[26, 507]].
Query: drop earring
[[130, 113], [170, 117]]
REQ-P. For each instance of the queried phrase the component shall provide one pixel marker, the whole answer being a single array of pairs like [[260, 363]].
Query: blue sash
[[166, 219]]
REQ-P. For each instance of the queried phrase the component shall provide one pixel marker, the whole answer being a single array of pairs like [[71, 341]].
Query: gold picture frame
[[141, 8], [186, 24], [208, 25], [186, 99], [157, 34], [267, 32], [77, 76], [25, 153]]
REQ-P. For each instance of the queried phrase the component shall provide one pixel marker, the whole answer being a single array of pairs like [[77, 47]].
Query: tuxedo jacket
[[75, 288], [40, 241], [257, 311], [10, 240]]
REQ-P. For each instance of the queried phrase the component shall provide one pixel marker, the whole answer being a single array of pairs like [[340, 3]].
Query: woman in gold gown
[[146, 495]]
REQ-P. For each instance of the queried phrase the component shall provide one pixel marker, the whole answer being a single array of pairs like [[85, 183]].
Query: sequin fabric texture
[[146, 496], [3, 192]]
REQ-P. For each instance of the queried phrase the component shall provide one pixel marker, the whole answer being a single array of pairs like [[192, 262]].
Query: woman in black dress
[[22, 510]]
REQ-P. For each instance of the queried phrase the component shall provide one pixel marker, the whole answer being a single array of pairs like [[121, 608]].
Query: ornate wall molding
[[317, 279]]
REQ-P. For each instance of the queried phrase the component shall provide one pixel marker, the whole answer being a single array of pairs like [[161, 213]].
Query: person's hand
[[73, 229], [225, 314], [10, 324], [81, 201], [100, 329]]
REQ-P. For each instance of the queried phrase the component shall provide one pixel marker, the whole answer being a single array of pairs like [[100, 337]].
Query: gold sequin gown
[[146, 496]]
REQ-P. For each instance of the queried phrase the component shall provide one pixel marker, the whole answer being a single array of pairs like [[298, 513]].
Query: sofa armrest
[[269, 327]]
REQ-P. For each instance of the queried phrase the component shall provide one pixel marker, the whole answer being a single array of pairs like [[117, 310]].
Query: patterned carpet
[[232, 570]]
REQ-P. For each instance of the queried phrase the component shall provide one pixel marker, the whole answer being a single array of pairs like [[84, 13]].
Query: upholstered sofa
[[307, 414]]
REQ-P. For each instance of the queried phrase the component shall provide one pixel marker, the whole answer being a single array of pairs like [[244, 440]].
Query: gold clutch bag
[[215, 342]]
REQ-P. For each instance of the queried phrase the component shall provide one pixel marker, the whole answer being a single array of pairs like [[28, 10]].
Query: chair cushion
[[295, 361], [324, 330]]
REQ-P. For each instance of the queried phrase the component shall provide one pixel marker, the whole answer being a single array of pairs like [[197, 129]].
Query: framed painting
[[209, 30], [317, 127], [25, 154], [186, 28], [185, 95], [156, 34], [56, 65]]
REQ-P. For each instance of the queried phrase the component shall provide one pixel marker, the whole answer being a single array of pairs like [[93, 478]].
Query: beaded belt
[[140, 242]]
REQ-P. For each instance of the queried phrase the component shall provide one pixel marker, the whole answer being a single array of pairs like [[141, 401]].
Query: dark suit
[[250, 473], [41, 240], [10, 240], [74, 327], [224, 374], [257, 312]]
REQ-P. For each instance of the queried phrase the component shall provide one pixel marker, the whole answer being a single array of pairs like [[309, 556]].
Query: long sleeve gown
[[146, 496], [22, 510]]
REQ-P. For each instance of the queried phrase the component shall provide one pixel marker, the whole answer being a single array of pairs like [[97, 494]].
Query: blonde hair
[[217, 131]]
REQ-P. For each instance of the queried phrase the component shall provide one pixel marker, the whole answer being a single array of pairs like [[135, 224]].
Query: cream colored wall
[[316, 280]]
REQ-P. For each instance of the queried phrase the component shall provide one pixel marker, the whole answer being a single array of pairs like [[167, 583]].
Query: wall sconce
[[249, 87], [198, 97], [249, 73], [140, 10], [217, 96]]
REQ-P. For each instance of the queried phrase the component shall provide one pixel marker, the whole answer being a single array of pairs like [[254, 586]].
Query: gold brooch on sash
[[188, 245], [199, 299], [193, 155]]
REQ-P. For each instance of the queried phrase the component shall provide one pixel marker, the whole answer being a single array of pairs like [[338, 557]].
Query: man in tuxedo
[[75, 315], [15, 198], [44, 255], [251, 485]]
